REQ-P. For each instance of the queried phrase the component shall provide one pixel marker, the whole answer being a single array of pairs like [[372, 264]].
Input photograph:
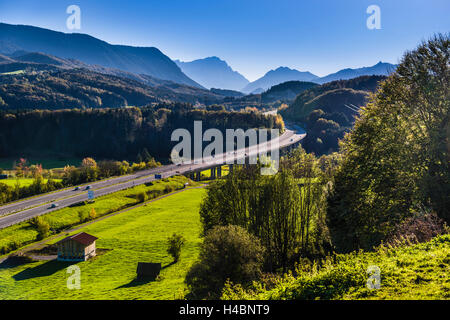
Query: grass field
[[47, 163], [138, 235], [23, 182], [24, 233]]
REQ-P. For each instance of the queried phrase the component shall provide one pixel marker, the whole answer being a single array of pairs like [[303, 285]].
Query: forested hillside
[[328, 111], [81, 88], [286, 91], [90, 50], [119, 133], [277, 76]]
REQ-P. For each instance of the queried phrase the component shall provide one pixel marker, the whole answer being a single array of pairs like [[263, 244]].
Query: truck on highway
[[158, 176]]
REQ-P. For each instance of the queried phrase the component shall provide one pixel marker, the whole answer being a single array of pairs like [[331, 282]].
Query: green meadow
[[47, 163], [138, 235], [24, 233], [23, 182]]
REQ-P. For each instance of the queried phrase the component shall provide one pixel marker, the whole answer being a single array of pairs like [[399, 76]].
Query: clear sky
[[253, 36]]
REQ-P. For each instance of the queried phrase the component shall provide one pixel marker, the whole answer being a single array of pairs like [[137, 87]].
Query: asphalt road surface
[[28, 208]]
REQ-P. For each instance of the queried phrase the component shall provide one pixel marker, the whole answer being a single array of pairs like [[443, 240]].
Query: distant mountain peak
[[213, 72], [214, 58], [277, 76], [281, 68]]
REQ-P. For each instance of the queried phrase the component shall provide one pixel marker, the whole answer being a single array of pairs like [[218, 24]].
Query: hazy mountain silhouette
[[380, 69], [90, 50], [280, 75], [213, 72]]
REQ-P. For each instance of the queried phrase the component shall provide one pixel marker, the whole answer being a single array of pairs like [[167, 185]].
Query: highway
[[28, 208]]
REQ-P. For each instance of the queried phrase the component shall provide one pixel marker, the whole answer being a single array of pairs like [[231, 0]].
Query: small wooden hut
[[147, 270], [78, 247]]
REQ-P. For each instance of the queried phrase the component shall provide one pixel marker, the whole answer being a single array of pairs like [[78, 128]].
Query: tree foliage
[[227, 253], [397, 157], [283, 210], [120, 133], [175, 243]]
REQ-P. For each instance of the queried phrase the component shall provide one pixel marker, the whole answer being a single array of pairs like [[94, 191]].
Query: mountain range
[[37, 80], [139, 60], [213, 72], [46, 49], [284, 74], [379, 69]]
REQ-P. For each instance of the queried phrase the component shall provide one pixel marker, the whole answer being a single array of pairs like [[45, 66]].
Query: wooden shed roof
[[82, 237]]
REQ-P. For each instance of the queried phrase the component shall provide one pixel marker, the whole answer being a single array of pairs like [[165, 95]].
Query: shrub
[[175, 242], [142, 197], [227, 253], [421, 227], [168, 189], [83, 216], [42, 227], [92, 214], [14, 245]]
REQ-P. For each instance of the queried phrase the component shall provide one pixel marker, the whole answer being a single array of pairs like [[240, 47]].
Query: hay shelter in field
[[78, 247], [147, 270]]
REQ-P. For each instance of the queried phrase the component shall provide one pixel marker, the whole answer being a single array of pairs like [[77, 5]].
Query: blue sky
[[253, 36]]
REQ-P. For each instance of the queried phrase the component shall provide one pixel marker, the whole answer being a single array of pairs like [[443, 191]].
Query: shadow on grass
[[137, 282], [143, 280], [168, 265], [14, 261], [42, 270]]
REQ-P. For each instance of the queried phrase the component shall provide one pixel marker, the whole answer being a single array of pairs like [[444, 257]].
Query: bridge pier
[[213, 173], [219, 171], [197, 175]]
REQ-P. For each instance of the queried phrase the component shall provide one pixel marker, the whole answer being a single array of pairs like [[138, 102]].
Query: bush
[[14, 245], [175, 242], [168, 189], [227, 253], [421, 227], [83, 216], [142, 197], [42, 227], [92, 214]]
